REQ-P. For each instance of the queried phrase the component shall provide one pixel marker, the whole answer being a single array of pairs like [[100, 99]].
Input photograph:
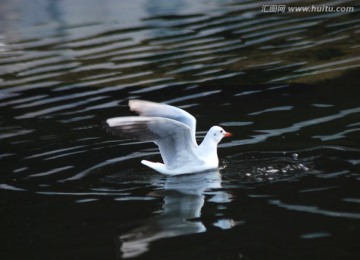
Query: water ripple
[[315, 210], [285, 85]]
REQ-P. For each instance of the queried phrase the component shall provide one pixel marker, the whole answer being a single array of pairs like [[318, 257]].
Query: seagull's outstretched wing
[[173, 137], [152, 109]]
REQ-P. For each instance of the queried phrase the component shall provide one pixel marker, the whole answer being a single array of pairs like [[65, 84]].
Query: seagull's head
[[218, 133]]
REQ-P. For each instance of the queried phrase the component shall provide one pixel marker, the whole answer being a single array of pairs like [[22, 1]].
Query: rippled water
[[286, 85]]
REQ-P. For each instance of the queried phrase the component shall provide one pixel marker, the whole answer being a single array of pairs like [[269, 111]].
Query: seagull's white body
[[173, 130]]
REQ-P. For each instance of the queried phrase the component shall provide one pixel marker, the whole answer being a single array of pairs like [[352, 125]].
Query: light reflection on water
[[184, 197], [284, 84]]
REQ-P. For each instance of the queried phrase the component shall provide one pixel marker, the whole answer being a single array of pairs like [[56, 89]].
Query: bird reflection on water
[[184, 198]]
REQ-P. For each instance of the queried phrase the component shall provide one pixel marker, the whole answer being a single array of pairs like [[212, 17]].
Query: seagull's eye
[[222, 131]]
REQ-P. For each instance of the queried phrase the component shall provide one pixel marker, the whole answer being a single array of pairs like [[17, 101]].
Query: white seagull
[[173, 130]]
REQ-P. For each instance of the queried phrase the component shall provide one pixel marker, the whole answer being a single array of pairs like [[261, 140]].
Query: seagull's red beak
[[227, 134]]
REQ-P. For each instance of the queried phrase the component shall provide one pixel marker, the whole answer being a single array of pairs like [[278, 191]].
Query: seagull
[[173, 130]]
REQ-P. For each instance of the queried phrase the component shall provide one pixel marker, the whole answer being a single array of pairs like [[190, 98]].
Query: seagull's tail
[[159, 167]]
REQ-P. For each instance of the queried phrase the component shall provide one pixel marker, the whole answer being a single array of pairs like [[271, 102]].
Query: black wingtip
[[106, 127]]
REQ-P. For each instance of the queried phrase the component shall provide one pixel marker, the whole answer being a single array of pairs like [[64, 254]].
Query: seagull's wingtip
[[134, 105]]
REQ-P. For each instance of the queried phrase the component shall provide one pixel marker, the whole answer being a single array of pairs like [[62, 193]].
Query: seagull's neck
[[208, 148]]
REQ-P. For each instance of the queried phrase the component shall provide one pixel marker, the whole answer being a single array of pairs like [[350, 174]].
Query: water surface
[[285, 84]]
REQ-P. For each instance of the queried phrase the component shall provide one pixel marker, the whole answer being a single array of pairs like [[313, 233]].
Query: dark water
[[286, 84]]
